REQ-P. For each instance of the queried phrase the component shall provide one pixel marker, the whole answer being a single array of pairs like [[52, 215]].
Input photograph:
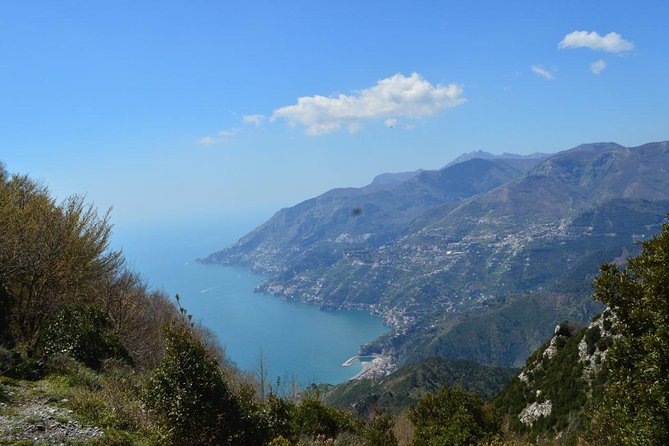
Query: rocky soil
[[29, 416]]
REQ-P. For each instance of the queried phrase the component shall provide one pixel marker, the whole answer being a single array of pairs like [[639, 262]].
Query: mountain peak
[[597, 146], [489, 156], [386, 179]]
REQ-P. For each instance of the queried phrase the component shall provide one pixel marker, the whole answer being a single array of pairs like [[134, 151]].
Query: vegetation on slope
[[359, 218], [89, 355], [549, 398], [607, 383], [408, 385], [452, 416], [449, 270], [63, 289], [634, 408]]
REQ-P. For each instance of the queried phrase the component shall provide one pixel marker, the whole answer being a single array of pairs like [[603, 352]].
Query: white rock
[[533, 411], [523, 377]]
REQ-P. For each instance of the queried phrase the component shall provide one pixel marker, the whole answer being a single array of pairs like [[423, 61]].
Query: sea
[[297, 342]]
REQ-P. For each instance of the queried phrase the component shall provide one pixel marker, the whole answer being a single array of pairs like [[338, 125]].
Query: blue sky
[[199, 108]]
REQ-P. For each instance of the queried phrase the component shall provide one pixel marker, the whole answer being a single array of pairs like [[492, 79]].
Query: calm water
[[296, 340]]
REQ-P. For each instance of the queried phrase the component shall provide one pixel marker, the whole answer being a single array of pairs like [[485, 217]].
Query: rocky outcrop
[[533, 411], [549, 397], [593, 347]]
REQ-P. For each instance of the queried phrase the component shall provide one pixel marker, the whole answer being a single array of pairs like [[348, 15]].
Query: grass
[[110, 400], [5, 384], [7, 396], [62, 420], [33, 419], [8, 411]]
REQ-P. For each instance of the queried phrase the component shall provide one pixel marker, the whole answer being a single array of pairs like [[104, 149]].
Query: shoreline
[[378, 367]]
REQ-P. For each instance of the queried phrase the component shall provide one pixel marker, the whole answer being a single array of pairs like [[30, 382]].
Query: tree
[[262, 376], [83, 332], [313, 418], [379, 431], [50, 254], [452, 416], [635, 405], [188, 395]]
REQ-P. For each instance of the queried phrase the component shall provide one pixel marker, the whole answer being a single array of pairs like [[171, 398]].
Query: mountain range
[[476, 260]]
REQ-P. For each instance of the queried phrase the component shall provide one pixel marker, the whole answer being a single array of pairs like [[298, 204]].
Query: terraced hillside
[[473, 261]]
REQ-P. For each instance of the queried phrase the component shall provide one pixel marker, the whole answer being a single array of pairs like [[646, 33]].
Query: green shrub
[[188, 396], [17, 364], [379, 431], [608, 324], [346, 439], [604, 343], [82, 332], [313, 418], [592, 335], [452, 416], [7, 360], [634, 408], [67, 373], [565, 329], [278, 414], [279, 441]]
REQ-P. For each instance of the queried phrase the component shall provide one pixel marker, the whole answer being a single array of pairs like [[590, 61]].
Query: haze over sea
[[297, 340]]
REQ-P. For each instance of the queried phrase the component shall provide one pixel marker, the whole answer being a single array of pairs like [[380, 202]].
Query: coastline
[[378, 367]]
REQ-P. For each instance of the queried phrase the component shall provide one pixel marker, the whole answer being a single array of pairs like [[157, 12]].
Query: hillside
[[502, 240], [318, 231], [607, 383], [549, 396], [406, 386], [90, 356]]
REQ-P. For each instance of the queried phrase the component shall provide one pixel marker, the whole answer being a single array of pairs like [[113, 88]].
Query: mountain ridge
[[518, 233], [362, 217], [487, 155]]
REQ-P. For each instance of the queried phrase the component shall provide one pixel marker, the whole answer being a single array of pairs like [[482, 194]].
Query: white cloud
[[611, 43], [390, 122], [206, 141], [395, 96], [353, 128], [543, 72], [223, 137], [256, 120], [228, 133], [598, 66]]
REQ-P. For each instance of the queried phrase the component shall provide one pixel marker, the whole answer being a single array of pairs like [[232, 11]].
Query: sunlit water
[[297, 341]]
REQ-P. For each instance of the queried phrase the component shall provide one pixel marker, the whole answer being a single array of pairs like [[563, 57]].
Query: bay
[[297, 341]]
